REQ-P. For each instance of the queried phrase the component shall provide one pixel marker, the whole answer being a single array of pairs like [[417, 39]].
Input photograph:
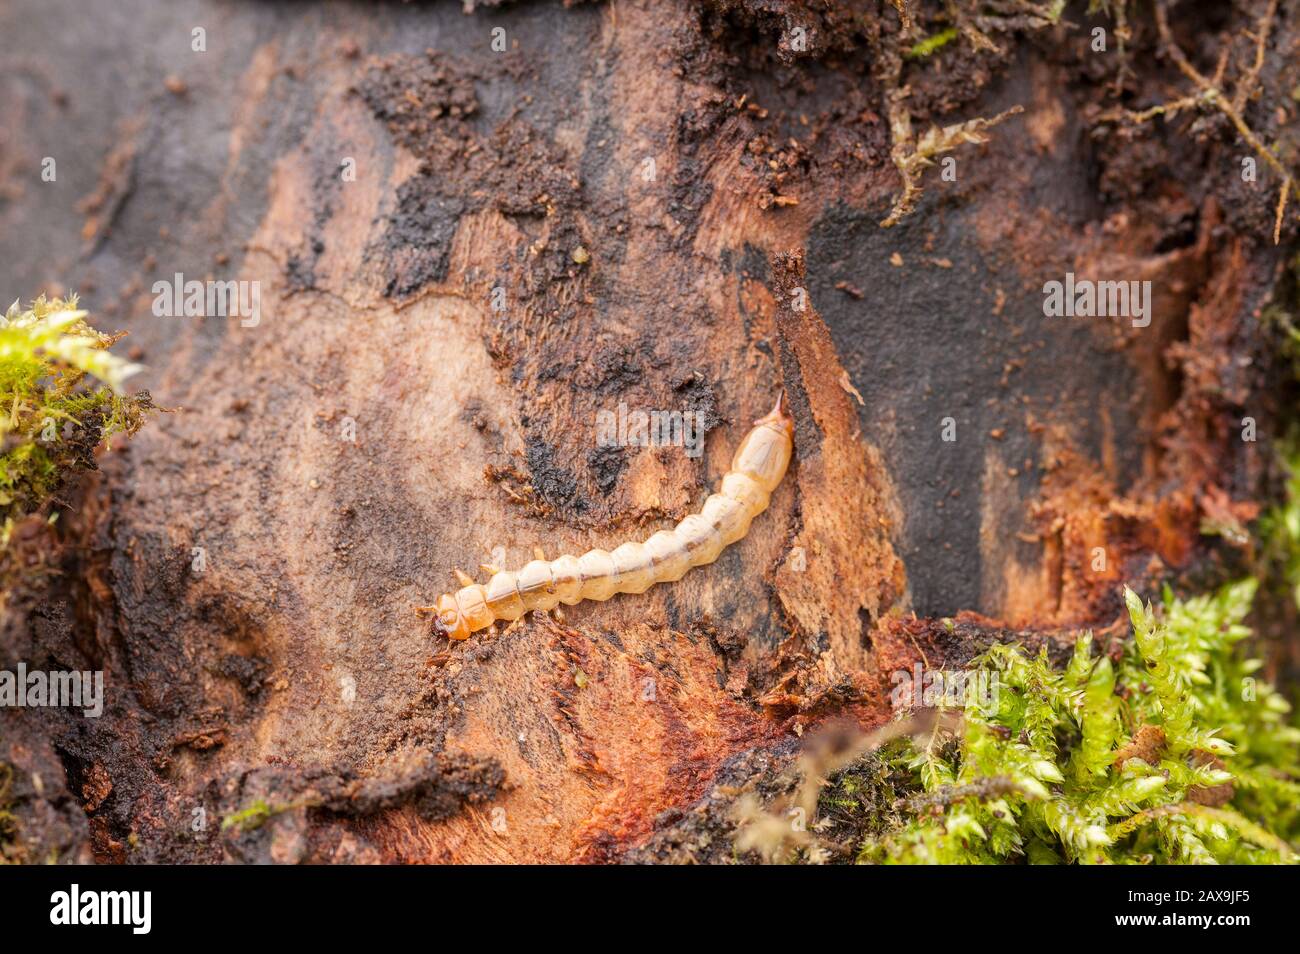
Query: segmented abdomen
[[758, 466]]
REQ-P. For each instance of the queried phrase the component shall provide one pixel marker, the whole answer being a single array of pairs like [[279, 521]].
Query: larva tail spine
[[759, 464]]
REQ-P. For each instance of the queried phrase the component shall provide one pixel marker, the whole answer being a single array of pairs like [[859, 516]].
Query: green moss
[[1170, 751], [259, 812], [60, 399], [935, 41], [253, 817]]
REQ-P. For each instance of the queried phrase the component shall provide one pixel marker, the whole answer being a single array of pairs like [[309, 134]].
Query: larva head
[[448, 620], [765, 452]]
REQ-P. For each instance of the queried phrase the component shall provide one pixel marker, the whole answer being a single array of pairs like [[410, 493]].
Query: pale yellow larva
[[756, 470]]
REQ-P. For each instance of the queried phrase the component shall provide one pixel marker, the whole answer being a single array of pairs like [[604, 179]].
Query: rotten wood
[[670, 198]]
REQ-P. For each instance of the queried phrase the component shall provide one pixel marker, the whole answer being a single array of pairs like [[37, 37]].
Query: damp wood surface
[[294, 670]]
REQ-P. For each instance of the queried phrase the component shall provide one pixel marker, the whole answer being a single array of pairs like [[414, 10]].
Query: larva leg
[[759, 464]]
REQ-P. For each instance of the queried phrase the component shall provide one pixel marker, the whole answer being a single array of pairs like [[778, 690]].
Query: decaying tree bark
[[678, 207]]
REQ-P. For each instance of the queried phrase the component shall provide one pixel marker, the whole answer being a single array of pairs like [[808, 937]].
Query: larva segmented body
[[756, 470]]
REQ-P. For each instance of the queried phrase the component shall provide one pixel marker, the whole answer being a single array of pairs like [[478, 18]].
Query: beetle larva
[[759, 464]]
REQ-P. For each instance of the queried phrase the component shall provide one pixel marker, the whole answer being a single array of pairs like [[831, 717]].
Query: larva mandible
[[756, 470]]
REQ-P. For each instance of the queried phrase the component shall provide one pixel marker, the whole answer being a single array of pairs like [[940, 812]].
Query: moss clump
[[60, 398], [1168, 751]]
